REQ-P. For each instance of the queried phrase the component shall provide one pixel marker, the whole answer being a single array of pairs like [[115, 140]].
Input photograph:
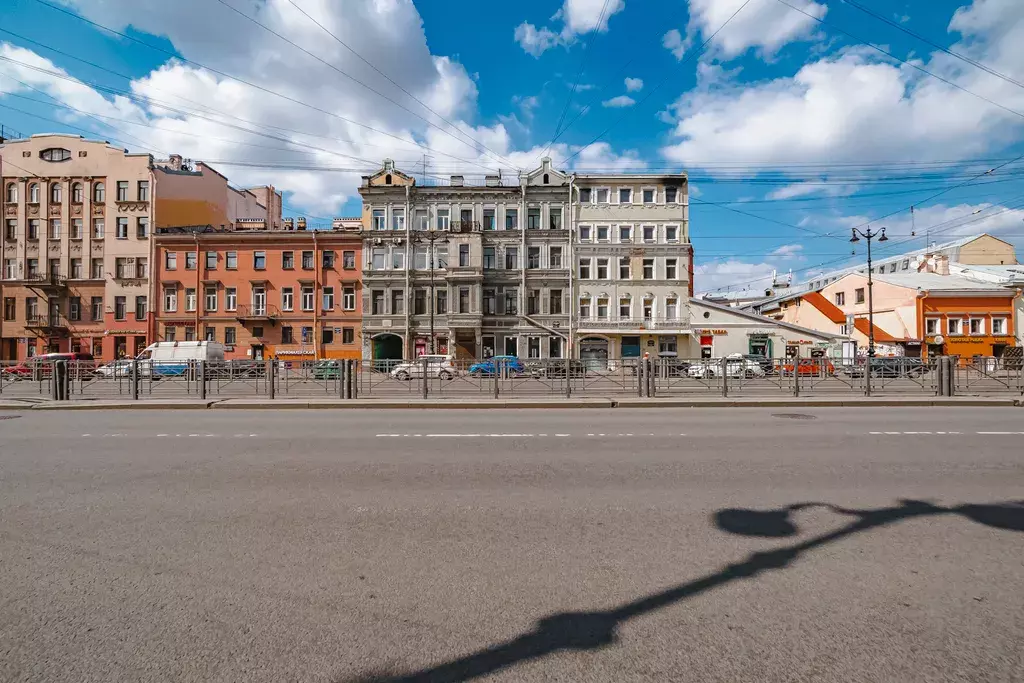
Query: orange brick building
[[290, 294]]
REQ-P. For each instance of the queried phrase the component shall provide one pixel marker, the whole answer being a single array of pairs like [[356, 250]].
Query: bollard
[[202, 379], [271, 383], [725, 377]]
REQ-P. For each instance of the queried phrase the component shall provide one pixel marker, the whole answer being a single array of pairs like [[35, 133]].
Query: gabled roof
[[829, 309], [863, 326], [768, 322]]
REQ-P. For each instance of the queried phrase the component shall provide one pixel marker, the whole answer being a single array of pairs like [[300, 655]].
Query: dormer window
[[545, 178], [387, 179], [55, 154]]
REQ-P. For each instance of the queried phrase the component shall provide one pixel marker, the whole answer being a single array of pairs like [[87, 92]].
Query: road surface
[[557, 545]]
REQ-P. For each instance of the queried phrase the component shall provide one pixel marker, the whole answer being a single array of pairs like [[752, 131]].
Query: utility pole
[[431, 236], [869, 235]]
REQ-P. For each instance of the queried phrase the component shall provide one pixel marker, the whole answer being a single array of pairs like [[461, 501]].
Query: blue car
[[509, 364]]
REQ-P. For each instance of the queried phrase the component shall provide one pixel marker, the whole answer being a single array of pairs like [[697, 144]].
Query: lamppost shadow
[[593, 631]]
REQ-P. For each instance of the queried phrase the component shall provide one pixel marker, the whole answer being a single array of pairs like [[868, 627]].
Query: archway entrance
[[387, 348], [594, 353]]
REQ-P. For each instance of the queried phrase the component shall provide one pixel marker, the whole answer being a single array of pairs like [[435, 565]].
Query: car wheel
[[402, 375], [748, 374], [444, 374]]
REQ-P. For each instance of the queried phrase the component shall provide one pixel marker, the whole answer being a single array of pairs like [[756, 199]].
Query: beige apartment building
[[78, 218]]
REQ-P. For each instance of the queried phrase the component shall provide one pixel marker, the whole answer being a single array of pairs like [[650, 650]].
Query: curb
[[128, 405]]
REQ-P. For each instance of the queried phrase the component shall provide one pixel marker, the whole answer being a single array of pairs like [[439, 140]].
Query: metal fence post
[[134, 371], [271, 378], [796, 376], [725, 377], [568, 377], [652, 379], [951, 370], [424, 359], [496, 365], [202, 379], [357, 373], [342, 378], [941, 372], [867, 376], [641, 381]]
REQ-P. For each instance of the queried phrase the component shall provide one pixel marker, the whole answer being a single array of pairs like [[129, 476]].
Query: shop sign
[[712, 332]]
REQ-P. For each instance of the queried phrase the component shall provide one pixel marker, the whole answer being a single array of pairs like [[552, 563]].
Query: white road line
[[561, 435], [1000, 433]]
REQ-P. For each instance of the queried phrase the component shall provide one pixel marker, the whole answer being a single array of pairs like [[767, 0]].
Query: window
[[327, 299], [170, 333], [533, 302], [585, 233], [892, 267], [489, 302], [120, 307], [625, 307], [31, 307], [555, 218], [96, 269], [840, 298], [844, 329], [121, 268], [858, 295], [397, 301], [977, 325], [211, 260], [141, 308], [190, 299], [97, 228], [348, 335], [398, 219], [648, 308], [602, 269], [33, 193], [998, 326], [584, 195], [122, 190], [96, 308], [584, 268], [230, 298], [10, 229], [259, 260], [122, 228], [488, 258], [348, 260], [466, 219], [906, 264], [327, 259], [670, 194], [625, 195], [670, 269], [288, 260], [953, 325], [511, 258], [143, 191], [287, 335], [378, 258], [648, 196], [229, 336], [931, 326], [441, 303], [10, 269], [170, 260], [602, 195], [398, 259], [378, 220], [306, 297], [533, 218], [671, 308], [327, 335], [602, 309], [648, 269], [12, 193], [76, 269], [464, 300], [190, 333], [444, 219], [555, 257], [53, 266], [533, 257], [141, 267], [33, 229], [210, 333], [76, 229], [463, 255], [511, 219], [54, 233], [99, 193], [421, 220], [671, 233], [585, 308], [56, 194], [419, 301], [511, 301], [211, 299], [625, 234], [307, 260], [74, 308], [32, 266], [602, 233], [10, 307], [191, 260], [625, 270], [648, 234], [555, 302], [533, 347], [288, 299], [348, 298]]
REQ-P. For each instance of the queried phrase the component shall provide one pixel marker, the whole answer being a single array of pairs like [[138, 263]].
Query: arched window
[[545, 178], [387, 179], [56, 193], [76, 193], [12, 192], [33, 193], [99, 193]]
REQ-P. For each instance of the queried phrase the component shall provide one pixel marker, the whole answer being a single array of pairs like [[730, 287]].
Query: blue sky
[[791, 131]]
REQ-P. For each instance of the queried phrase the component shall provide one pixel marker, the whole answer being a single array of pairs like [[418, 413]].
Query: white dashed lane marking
[[114, 435], [947, 433], [482, 435]]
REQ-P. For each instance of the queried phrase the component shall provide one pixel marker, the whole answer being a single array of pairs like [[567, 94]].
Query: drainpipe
[[316, 290], [153, 300], [522, 258], [572, 267], [408, 275], [199, 270]]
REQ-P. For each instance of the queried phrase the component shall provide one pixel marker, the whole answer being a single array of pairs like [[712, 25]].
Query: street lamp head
[[855, 238], [883, 238]]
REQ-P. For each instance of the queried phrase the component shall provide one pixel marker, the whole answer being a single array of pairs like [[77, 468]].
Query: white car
[[736, 367], [440, 366], [123, 368]]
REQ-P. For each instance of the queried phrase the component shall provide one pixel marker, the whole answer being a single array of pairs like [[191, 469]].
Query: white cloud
[[809, 187], [851, 106], [947, 222], [674, 42], [526, 104], [578, 17], [619, 102], [787, 251], [902, 18], [536, 41], [634, 84], [764, 25], [732, 274], [388, 33]]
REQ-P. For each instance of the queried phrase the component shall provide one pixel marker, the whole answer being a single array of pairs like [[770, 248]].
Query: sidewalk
[[520, 403]]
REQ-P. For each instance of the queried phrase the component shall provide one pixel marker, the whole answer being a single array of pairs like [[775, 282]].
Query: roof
[[863, 325], [769, 322], [936, 282], [831, 311]]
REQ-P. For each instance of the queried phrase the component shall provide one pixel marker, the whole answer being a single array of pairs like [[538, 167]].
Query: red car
[[813, 367], [39, 367]]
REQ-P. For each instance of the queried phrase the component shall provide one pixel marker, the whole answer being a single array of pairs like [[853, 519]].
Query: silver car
[[439, 366]]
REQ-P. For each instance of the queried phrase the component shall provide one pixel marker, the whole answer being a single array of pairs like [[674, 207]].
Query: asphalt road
[[577, 545]]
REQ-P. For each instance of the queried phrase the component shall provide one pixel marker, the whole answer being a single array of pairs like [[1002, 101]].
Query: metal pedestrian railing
[[508, 377]]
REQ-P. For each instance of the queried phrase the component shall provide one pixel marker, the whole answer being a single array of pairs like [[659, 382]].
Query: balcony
[[615, 323], [46, 323], [257, 313], [47, 281]]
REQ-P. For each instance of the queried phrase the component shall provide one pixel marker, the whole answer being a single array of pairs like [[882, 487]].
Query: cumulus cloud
[[619, 102], [732, 274], [674, 42], [809, 187], [944, 222], [787, 251], [764, 25], [634, 84], [578, 17], [315, 140], [536, 41]]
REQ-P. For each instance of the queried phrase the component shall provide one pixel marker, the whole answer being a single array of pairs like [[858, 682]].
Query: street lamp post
[[870, 235], [431, 237]]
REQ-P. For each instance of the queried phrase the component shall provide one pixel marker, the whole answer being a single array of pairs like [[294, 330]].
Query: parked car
[[810, 367], [736, 367], [896, 366], [767, 364], [122, 368], [40, 367], [667, 364], [509, 364], [555, 368], [326, 369], [439, 366]]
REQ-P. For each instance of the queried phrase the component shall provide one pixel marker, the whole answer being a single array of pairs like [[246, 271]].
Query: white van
[[167, 358]]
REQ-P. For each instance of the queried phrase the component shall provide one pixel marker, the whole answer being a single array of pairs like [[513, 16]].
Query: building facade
[[633, 265], [470, 270], [78, 219], [287, 294]]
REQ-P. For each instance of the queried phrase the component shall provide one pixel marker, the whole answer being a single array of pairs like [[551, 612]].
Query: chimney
[[175, 162], [492, 180], [289, 224], [942, 265], [301, 223], [458, 181]]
